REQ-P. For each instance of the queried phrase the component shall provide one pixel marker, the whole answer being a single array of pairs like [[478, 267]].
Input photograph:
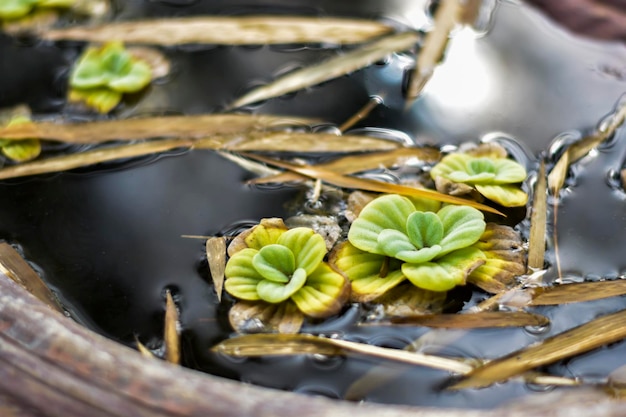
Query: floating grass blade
[[600, 332], [94, 156], [369, 185], [446, 16], [362, 113], [578, 292], [362, 162], [537, 240], [149, 127], [171, 336], [216, 256], [330, 69], [297, 344], [227, 30], [16, 268], [470, 321], [143, 349]]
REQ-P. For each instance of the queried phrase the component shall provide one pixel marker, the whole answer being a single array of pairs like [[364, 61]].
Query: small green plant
[[493, 177], [17, 9], [395, 238], [20, 150], [276, 265], [103, 74]]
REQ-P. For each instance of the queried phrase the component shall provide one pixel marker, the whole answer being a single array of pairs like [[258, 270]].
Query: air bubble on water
[[519, 152], [561, 142], [531, 386], [383, 133], [537, 330]]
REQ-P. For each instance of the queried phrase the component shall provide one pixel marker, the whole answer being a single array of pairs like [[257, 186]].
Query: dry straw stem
[[197, 126], [600, 332], [344, 181], [143, 349], [478, 320], [228, 30], [16, 268], [578, 292], [330, 69], [216, 256], [447, 15], [537, 240], [363, 162], [171, 336]]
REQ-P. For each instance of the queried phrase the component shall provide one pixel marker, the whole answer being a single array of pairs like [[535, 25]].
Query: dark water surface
[[109, 238]]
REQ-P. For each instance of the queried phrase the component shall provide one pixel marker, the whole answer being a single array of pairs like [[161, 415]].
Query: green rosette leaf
[[424, 229], [447, 272], [242, 278], [508, 171], [307, 246], [462, 227], [15, 9], [386, 212], [265, 233], [275, 263], [56, 3], [22, 150], [90, 71], [363, 269], [397, 245], [324, 294], [275, 292], [101, 99], [134, 79], [505, 195]]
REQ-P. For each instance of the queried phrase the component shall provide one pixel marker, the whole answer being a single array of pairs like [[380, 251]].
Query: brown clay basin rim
[[52, 366]]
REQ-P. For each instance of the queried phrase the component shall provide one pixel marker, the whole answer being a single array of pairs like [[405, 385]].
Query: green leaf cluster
[[492, 177], [394, 239], [16, 9], [20, 150], [103, 74], [279, 265]]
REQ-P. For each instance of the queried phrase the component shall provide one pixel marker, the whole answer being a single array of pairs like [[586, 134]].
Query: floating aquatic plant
[[20, 150], [103, 74], [395, 238], [492, 176], [273, 264], [16, 9]]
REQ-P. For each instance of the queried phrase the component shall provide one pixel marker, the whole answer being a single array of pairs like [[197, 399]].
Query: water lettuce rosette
[[21, 150], [495, 178], [17, 9], [273, 264]]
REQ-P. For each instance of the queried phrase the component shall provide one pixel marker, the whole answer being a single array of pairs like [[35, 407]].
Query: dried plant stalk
[[143, 349], [370, 185], [600, 332], [471, 321], [149, 127], [578, 292], [216, 256], [362, 162], [447, 15], [330, 69], [16, 268], [171, 336], [537, 240], [228, 30]]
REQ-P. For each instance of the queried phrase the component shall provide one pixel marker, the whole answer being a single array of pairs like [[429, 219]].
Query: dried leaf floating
[[298, 344], [228, 30], [600, 332], [15, 267], [330, 69], [216, 256], [578, 292], [171, 336], [370, 185], [480, 320], [149, 127], [537, 240], [363, 162], [254, 317]]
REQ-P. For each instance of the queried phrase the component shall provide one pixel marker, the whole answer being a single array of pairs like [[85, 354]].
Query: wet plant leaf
[[197, 126], [227, 30], [577, 292], [479, 320], [505, 259], [362, 162], [102, 100], [299, 344], [216, 256], [594, 334], [16, 268], [538, 218], [330, 69], [171, 335], [369, 185], [23, 150], [255, 317]]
